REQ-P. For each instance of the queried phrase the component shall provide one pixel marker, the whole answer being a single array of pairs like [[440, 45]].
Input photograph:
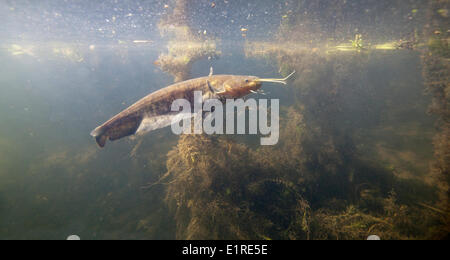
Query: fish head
[[240, 86]]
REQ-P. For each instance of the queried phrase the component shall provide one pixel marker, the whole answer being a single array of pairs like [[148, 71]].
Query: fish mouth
[[275, 80]]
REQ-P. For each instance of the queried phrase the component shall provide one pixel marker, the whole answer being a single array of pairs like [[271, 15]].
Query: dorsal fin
[[210, 71]]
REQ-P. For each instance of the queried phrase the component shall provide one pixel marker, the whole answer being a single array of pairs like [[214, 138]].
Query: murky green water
[[355, 157]]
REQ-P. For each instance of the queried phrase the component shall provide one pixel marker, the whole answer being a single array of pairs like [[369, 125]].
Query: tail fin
[[100, 137]]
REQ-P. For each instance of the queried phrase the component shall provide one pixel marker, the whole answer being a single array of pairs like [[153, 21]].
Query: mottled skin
[[159, 102]]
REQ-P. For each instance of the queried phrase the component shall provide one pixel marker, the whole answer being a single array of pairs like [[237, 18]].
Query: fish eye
[[246, 81]]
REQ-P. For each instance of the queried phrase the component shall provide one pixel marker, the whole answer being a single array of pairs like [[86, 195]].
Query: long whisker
[[280, 81], [290, 75], [272, 80]]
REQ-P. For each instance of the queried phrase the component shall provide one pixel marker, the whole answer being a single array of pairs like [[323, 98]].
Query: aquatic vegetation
[[69, 53], [182, 54], [184, 47], [439, 46], [205, 175], [175, 22], [358, 42], [407, 45], [270, 50], [435, 72], [218, 189], [17, 50], [355, 223], [60, 50]]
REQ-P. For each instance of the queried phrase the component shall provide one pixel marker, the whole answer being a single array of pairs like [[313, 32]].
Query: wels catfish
[[154, 111]]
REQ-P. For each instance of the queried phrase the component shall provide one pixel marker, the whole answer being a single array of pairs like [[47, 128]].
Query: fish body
[[154, 111]]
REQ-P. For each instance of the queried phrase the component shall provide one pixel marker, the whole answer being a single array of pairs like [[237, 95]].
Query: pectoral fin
[[210, 87], [226, 88], [213, 90]]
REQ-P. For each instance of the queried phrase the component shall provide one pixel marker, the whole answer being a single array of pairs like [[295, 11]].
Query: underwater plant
[[202, 184], [435, 73], [358, 42], [184, 47], [182, 54], [219, 189]]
